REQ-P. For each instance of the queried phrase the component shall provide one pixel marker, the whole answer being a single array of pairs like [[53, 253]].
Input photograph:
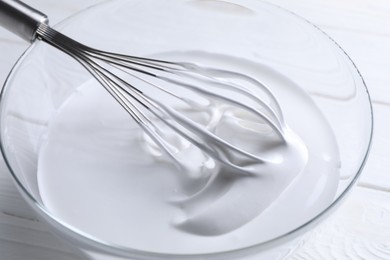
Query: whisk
[[129, 80]]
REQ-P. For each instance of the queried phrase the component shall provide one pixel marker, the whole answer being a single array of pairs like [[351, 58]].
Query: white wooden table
[[360, 229]]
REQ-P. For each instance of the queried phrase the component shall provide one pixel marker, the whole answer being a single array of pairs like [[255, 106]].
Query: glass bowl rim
[[103, 246]]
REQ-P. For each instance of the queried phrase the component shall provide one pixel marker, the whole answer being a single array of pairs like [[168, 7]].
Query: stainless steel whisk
[[125, 78]]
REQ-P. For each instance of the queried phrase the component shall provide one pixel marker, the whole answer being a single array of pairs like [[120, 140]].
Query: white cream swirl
[[101, 174]]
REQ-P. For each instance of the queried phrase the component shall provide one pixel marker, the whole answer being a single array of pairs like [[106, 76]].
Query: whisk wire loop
[[104, 67]]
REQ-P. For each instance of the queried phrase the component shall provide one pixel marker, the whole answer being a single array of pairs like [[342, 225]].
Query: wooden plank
[[376, 174], [362, 29], [360, 229]]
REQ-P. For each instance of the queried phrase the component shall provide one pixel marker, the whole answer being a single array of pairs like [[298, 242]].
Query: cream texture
[[103, 175]]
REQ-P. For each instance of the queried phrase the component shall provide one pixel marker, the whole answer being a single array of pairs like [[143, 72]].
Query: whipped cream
[[99, 172]]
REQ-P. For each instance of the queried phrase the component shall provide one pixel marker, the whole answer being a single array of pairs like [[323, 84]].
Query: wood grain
[[360, 229], [362, 28]]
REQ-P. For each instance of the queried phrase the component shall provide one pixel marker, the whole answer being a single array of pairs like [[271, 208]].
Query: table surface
[[360, 229]]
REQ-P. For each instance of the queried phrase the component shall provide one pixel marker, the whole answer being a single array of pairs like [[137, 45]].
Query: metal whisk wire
[[106, 68]]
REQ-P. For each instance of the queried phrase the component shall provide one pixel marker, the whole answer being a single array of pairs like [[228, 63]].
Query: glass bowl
[[44, 78]]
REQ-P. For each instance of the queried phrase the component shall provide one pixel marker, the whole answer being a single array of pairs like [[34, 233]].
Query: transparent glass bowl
[[43, 79]]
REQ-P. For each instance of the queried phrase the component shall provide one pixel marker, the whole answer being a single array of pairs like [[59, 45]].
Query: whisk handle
[[21, 19]]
